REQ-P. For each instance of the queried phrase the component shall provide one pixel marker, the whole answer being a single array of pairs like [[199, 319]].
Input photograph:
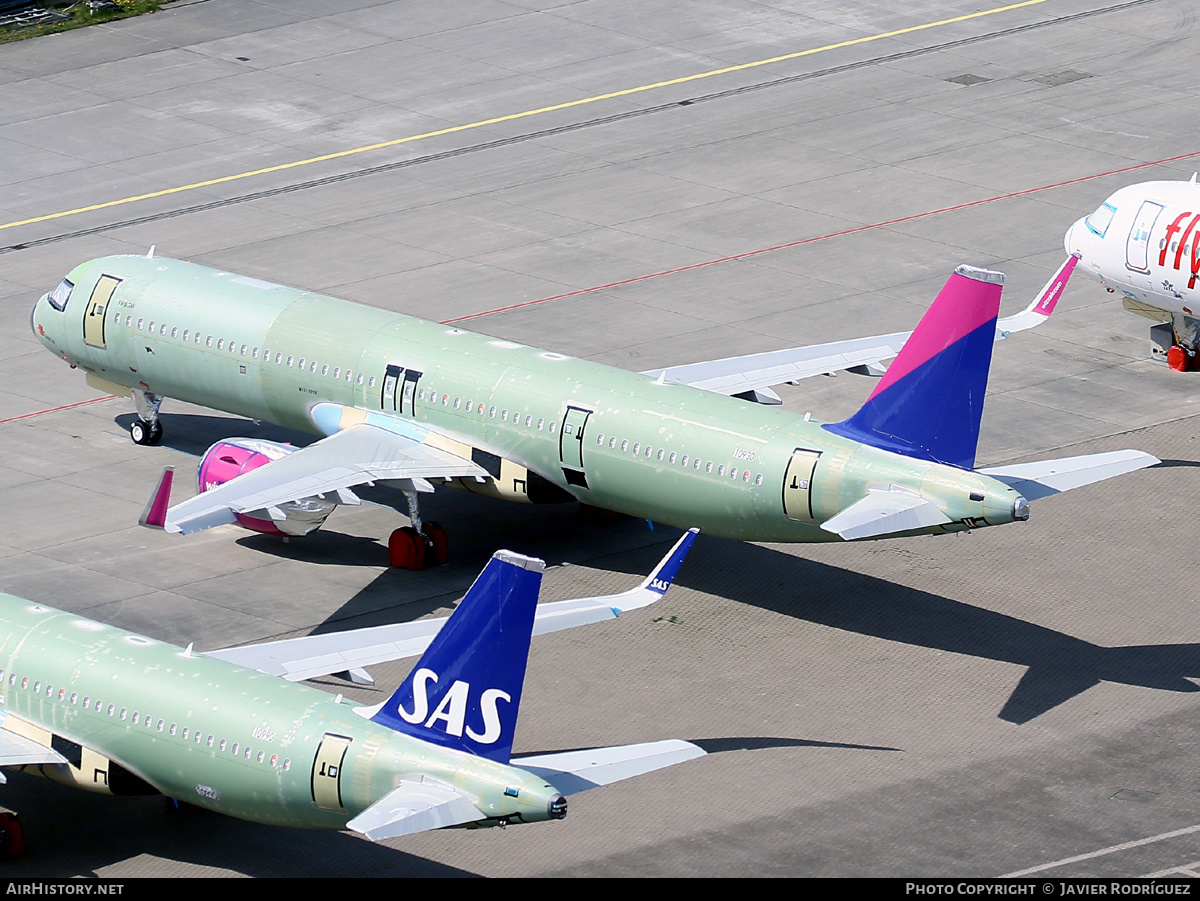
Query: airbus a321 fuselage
[[412, 400]]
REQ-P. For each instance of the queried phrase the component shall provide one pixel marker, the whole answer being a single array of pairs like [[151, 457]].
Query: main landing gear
[[420, 545], [146, 429]]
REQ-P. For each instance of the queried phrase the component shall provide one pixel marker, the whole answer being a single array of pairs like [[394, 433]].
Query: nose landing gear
[[146, 429]]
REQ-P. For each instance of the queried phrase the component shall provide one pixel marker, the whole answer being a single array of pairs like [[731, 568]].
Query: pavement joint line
[[1185, 869], [528, 113], [838, 234], [1112, 849]]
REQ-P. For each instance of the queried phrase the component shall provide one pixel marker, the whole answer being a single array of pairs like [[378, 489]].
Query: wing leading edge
[[360, 454], [296, 659], [759, 372]]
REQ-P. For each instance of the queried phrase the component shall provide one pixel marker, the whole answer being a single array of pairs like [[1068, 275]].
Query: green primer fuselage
[[542, 423], [133, 714]]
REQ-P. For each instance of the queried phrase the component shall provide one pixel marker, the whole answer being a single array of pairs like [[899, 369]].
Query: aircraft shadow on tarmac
[[1059, 666], [72, 834]]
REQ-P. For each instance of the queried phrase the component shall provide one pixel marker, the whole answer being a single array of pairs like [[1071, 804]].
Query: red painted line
[[94, 400], [841, 234]]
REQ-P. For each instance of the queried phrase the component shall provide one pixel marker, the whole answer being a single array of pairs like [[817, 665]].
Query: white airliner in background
[[1144, 242]]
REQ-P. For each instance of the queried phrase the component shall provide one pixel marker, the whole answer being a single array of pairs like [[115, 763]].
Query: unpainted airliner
[[92, 706], [418, 402]]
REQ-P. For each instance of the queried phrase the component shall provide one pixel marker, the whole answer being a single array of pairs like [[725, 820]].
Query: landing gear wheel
[[142, 432], [437, 548], [12, 836], [406, 549], [156, 432]]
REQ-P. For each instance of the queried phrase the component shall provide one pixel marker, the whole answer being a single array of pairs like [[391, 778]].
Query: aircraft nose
[[33, 315]]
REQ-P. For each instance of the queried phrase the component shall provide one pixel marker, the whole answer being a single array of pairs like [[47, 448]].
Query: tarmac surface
[[1017, 700]]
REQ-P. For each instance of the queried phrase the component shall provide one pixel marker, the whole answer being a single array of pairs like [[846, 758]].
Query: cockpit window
[[1100, 220], [59, 296]]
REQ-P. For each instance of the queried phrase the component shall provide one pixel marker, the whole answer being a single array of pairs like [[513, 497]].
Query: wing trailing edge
[[296, 659]]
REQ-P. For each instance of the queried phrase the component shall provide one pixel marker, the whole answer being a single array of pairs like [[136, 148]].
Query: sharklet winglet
[[154, 516]]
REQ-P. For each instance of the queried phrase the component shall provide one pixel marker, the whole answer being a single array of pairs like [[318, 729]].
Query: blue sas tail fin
[[465, 690], [929, 403]]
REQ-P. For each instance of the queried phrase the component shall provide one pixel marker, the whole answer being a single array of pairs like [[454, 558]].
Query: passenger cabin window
[[59, 296]]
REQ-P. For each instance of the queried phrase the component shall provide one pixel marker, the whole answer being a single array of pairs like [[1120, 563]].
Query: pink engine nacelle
[[233, 457]]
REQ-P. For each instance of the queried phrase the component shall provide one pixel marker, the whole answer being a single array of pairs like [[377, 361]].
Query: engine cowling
[[232, 457]]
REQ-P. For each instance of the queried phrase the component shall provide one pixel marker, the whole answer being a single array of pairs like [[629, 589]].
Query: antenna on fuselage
[[150, 252]]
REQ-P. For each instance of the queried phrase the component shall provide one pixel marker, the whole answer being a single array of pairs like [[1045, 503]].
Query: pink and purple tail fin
[[930, 402]]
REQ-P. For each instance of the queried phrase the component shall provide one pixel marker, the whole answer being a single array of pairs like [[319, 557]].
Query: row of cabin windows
[[247, 350], [188, 734], [469, 406], [432, 396], [671, 458]]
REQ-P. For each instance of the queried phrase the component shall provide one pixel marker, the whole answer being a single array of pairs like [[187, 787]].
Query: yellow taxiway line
[[522, 115]]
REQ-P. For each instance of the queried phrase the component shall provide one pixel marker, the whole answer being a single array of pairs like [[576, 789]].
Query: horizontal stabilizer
[[414, 806], [885, 511], [296, 659], [576, 771], [1042, 479]]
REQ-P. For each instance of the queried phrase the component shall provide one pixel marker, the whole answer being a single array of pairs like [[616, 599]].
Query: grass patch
[[81, 15]]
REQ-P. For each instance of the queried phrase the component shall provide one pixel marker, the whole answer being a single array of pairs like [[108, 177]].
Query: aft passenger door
[[797, 485], [327, 772], [94, 318]]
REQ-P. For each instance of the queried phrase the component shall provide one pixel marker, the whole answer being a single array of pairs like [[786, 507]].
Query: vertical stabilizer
[[465, 690], [929, 403]]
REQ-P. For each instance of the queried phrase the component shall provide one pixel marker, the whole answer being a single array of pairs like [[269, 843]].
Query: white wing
[[759, 372], [296, 659], [362, 453]]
